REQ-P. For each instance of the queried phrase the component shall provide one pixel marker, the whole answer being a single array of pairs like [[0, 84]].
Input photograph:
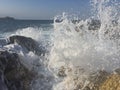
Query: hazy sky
[[42, 9]]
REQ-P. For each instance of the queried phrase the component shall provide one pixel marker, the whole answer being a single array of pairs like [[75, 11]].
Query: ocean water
[[76, 48], [12, 26]]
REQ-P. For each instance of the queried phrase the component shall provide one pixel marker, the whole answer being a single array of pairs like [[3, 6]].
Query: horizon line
[[10, 17]]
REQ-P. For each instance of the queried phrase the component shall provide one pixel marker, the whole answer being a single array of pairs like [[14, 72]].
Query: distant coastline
[[12, 18], [7, 18]]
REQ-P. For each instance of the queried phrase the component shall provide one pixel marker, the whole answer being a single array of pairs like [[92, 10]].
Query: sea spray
[[76, 48], [35, 63], [78, 51]]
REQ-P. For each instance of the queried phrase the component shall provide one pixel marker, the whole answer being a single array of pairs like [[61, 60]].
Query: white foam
[[74, 48], [34, 33], [89, 50]]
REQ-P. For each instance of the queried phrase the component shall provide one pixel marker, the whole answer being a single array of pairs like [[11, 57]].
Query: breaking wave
[[76, 48], [85, 46]]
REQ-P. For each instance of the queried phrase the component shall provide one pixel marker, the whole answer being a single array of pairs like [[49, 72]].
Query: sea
[[76, 47]]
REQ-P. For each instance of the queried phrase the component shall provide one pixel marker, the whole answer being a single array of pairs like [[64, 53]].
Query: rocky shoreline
[[98, 80], [14, 75]]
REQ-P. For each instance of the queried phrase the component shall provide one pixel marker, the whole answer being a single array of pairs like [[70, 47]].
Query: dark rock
[[2, 82], [28, 44], [13, 74], [3, 42], [94, 24], [61, 72], [7, 18]]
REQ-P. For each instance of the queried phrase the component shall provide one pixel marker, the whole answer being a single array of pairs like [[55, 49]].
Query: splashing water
[[79, 47], [78, 50]]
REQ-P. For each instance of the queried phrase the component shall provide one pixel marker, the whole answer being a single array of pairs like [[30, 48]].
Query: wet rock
[[91, 82], [13, 74], [61, 72], [112, 83], [3, 42], [94, 24], [117, 71], [3, 86], [99, 80], [103, 80], [96, 79], [28, 44]]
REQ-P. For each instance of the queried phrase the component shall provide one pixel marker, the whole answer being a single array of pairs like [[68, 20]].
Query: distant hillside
[[7, 18]]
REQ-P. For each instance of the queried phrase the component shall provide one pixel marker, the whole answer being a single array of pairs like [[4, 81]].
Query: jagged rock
[[13, 74], [28, 44]]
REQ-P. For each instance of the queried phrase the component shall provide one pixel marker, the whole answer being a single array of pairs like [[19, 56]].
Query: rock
[[96, 79], [3, 42], [99, 80], [93, 81], [13, 74], [94, 24], [61, 72], [112, 83], [117, 71], [103, 80], [28, 44], [2, 82]]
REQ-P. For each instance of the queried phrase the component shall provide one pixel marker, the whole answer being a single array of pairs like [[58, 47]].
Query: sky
[[42, 9]]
